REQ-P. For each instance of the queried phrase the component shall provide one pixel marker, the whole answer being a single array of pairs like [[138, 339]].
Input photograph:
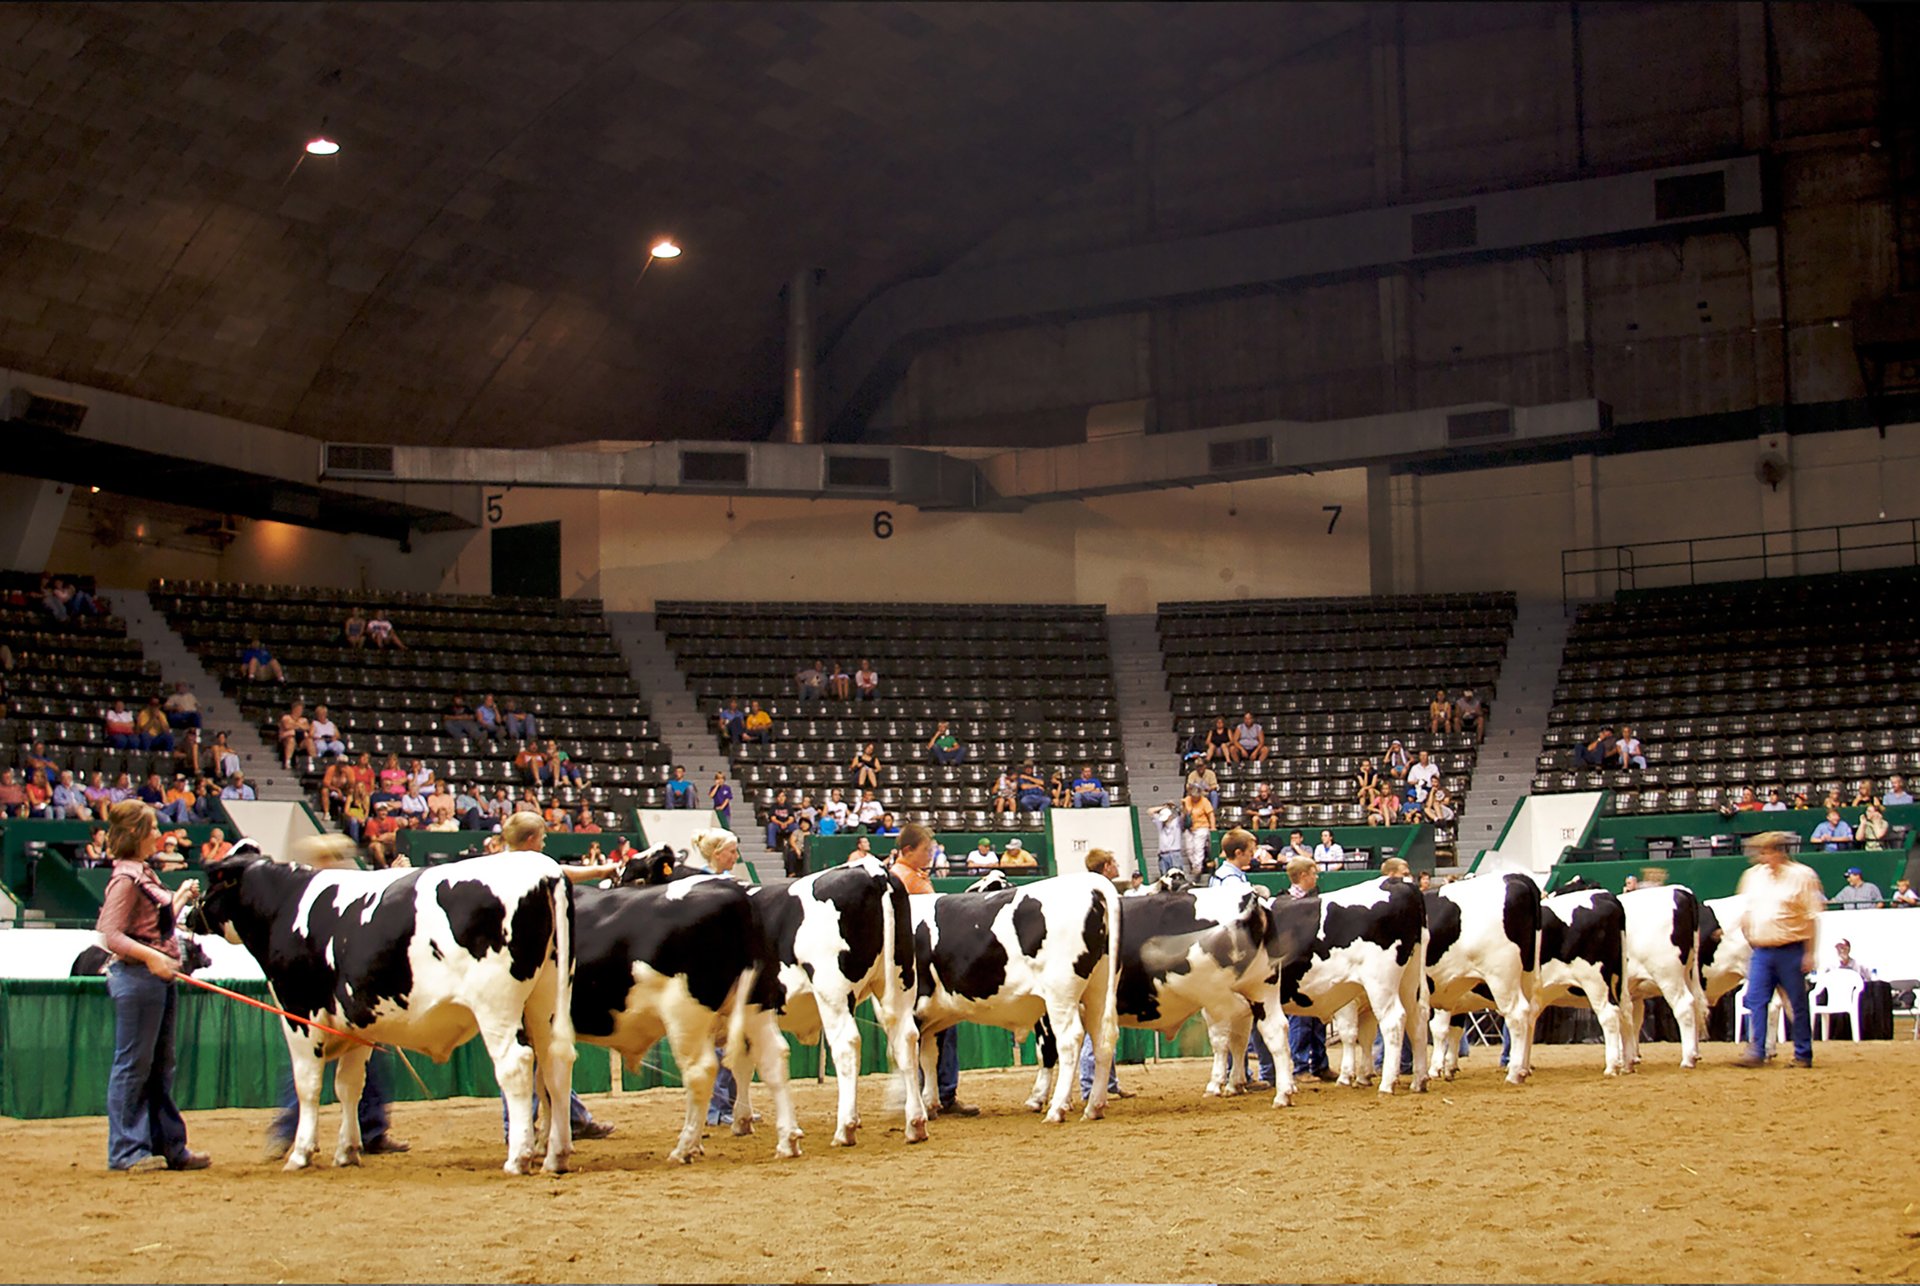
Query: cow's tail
[[563, 961], [1109, 1037], [735, 1056]]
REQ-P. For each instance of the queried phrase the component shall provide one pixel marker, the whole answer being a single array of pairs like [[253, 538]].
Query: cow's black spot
[[903, 955], [1709, 936], [1171, 923], [968, 960], [705, 936], [1030, 926], [855, 896], [1594, 932], [1093, 940], [923, 954], [1393, 925], [476, 914], [520, 1035], [776, 921], [531, 941], [1686, 921], [1520, 913], [438, 954], [1443, 926]]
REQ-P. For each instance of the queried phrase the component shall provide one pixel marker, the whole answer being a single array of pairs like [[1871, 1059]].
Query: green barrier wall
[[56, 1046], [824, 851], [1632, 833], [1717, 877], [426, 848], [1412, 843], [16, 869], [1277, 881]]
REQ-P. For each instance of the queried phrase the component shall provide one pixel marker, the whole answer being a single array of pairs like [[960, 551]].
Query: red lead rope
[[218, 990]]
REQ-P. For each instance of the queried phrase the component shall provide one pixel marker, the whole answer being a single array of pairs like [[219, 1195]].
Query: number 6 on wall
[[883, 524]]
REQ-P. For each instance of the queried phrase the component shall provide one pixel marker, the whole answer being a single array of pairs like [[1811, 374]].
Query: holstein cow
[[673, 962], [423, 959], [1662, 948], [1483, 952], [822, 944], [1010, 957], [1322, 953], [92, 962], [1583, 955], [1725, 953]]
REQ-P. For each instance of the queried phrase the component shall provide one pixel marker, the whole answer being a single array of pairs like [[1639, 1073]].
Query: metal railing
[[1758, 555]]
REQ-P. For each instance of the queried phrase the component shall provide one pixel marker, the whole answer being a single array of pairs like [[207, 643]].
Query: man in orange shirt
[[911, 865], [1783, 900]]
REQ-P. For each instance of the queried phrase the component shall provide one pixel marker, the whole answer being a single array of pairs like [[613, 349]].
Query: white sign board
[[673, 826], [1072, 831], [272, 824]]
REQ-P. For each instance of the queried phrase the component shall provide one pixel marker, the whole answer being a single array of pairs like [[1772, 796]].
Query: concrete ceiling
[[464, 270]]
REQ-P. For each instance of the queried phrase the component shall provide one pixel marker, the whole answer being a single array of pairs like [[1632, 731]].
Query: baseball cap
[[1014, 843], [1853, 870]]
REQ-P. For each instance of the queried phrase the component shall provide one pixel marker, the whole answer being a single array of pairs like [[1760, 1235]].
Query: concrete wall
[[1403, 108]]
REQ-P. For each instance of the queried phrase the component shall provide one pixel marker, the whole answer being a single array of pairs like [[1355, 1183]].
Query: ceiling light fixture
[[664, 248], [322, 146]]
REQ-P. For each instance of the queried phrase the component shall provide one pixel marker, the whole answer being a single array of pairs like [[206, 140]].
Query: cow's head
[[220, 901], [656, 866], [1577, 884], [992, 882], [1176, 880], [193, 956]]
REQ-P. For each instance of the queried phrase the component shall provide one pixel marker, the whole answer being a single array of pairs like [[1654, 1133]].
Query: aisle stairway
[[682, 728], [1523, 696], [1146, 719], [218, 713]]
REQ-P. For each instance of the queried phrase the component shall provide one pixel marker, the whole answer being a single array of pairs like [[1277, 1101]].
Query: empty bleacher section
[[1804, 685], [1016, 682], [553, 658], [1333, 681]]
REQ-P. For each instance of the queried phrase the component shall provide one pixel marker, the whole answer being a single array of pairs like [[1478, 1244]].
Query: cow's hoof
[[555, 1165], [917, 1131], [1418, 1087], [683, 1156], [516, 1165], [1036, 1104], [1283, 1100], [1057, 1116], [1689, 1062], [1094, 1113], [296, 1161], [789, 1147], [743, 1125], [1386, 1089], [1344, 1079], [346, 1157], [845, 1137]]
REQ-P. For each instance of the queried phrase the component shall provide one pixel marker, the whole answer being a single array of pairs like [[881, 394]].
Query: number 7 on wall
[[1335, 511]]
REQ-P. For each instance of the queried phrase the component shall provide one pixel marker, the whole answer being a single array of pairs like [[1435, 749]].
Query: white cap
[[1013, 843]]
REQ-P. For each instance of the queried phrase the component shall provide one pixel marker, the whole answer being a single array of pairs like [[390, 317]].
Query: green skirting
[[56, 1047]]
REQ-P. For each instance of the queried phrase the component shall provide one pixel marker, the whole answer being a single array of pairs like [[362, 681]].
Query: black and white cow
[[1483, 952], [1364, 943], [92, 962], [423, 959], [1583, 960], [1662, 959], [822, 944], [1725, 953], [672, 962], [1009, 958]]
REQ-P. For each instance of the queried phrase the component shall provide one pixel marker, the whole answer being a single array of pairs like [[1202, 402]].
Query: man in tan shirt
[[1783, 901]]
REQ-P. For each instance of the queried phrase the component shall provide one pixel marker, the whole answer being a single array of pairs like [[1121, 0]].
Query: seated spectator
[[1192, 749], [1366, 784], [836, 808], [1249, 744], [1208, 782], [1832, 834], [1385, 809], [565, 768], [1265, 859], [1628, 750], [336, 787], [39, 798], [1437, 807], [520, 724], [1328, 851], [1896, 795], [1296, 847], [392, 782], [186, 755], [471, 809], [442, 811], [1845, 962], [256, 661], [295, 734], [810, 682], [119, 724], [1031, 788], [622, 849], [1396, 761], [1871, 833], [381, 835], [1774, 803], [780, 821], [532, 763], [869, 812], [1440, 713], [1860, 893], [461, 722], [1862, 793], [793, 855], [839, 682], [353, 631], [1594, 753], [40, 766], [95, 854], [1219, 737], [759, 725], [1832, 800], [152, 731], [555, 815], [866, 681], [13, 795], [887, 825], [381, 634], [1058, 792], [1088, 790], [1017, 857], [69, 800], [1262, 810], [411, 808], [584, 824], [1003, 791], [177, 806], [1422, 776], [733, 724], [182, 707], [221, 761], [123, 789], [151, 792], [492, 726], [1470, 716], [99, 794], [946, 747], [866, 768], [983, 858], [324, 735], [679, 789], [1904, 894], [237, 788], [1800, 799]]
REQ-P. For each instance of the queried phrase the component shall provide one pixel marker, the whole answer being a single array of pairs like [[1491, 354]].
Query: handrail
[[1613, 568]]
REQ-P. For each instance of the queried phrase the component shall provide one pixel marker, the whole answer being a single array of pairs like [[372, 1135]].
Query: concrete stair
[[218, 713], [1146, 720], [687, 735], [1503, 771]]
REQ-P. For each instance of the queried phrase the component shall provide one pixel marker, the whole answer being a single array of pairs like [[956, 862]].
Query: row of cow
[[505, 948]]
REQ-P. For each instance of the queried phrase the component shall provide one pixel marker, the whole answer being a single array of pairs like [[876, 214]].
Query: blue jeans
[[1170, 861], [958, 755], [576, 1110], [1091, 799], [1257, 1052], [374, 1097], [1033, 801], [142, 1119], [947, 1070], [1086, 1071], [521, 726], [1307, 1040], [176, 812], [720, 1106], [1406, 1053], [1782, 968]]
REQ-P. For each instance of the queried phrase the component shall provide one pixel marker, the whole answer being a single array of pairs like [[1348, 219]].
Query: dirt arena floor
[[1719, 1175]]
